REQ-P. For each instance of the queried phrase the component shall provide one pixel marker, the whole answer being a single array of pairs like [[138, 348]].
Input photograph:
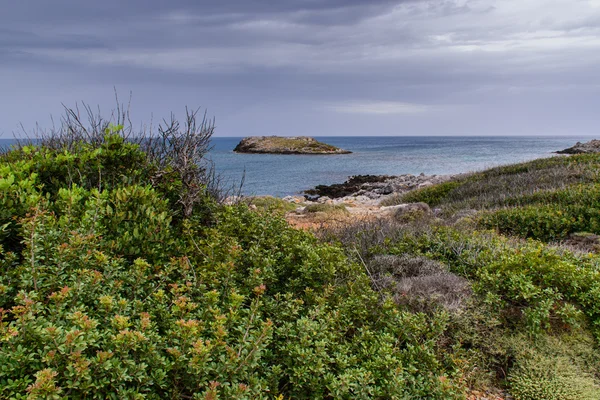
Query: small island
[[286, 145]]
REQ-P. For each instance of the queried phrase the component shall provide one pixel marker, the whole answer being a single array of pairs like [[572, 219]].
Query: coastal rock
[[351, 186], [593, 146], [285, 145], [376, 186], [293, 199]]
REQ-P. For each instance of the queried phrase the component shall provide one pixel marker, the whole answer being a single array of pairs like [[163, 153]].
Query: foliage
[[547, 199], [550, 215], [525, 293], [528, 283], [432, 195], [549, 370], [121, 276], [107, 290], [326, 208], [271, 204]]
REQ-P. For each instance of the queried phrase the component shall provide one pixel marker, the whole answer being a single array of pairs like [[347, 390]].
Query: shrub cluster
[[547, 199], [109, 289]]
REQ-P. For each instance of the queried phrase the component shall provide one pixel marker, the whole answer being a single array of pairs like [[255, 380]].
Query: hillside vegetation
[[524, 236], [122, 275]]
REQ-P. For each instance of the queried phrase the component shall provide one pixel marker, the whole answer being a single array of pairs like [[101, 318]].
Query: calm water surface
[[281, 175]]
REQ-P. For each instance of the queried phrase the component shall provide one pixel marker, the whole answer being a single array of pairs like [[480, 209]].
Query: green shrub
[[528, 283], [272, 204], [432, 195], [326, 208], [552, 215], [110, 291], [540, 377]]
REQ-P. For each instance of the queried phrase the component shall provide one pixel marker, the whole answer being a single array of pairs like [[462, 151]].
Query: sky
[[309, 67]]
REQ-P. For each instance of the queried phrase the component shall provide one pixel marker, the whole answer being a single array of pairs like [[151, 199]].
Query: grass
[[547, 199], [330, 209], [497, 187], [272, 204]]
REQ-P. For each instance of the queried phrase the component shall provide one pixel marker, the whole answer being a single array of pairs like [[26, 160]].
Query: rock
[[293, 199], [353, 185], [286, 145], [593, 146], [375, 186], [385, 190], [311, 197]]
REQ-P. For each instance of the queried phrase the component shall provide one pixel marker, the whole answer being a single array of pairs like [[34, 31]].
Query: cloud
[[379, 107], [402, 55]]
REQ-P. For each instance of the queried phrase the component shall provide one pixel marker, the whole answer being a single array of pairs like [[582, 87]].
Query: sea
[[283, 175]]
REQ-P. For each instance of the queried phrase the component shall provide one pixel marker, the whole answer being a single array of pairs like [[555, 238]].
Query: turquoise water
[[281, 175]]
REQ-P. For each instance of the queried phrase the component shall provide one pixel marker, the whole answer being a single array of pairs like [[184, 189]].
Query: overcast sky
[[315, 67]]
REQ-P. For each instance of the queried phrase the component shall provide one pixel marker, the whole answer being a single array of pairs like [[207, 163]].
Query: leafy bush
[[326, 208], [272, 204], [542, 377], [527, 282], [432, 195], [552, 215], [110, 290]]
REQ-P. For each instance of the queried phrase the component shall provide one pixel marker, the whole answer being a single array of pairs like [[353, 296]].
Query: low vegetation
[[111, 288], [270, 204], [547, 199], [326, 208], [124, 275]]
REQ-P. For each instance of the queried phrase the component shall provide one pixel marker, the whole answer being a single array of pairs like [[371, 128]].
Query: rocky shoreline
[[366, 195], [374, 187]]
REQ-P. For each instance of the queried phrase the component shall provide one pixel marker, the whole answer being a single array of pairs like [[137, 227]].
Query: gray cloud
[[313, 66]]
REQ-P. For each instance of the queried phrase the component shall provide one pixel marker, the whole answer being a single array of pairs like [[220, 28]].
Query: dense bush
[[528, 283], [108, 290], [550, 215], [419, 283], [547, 199], [555, 368], [500, 186]]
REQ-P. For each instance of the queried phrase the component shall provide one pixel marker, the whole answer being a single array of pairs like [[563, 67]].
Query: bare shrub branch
[[176, 149]]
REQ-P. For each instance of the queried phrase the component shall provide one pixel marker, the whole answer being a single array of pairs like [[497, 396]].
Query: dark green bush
[[432, 195], [107, 291]]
